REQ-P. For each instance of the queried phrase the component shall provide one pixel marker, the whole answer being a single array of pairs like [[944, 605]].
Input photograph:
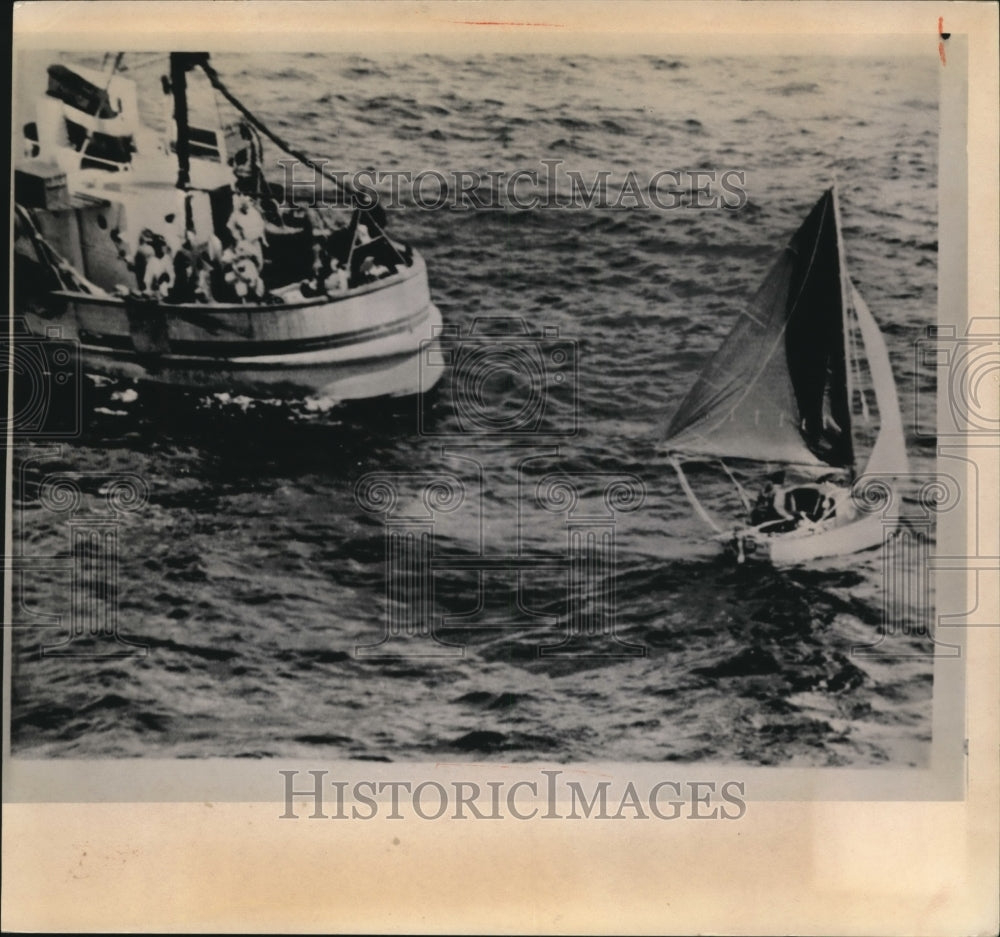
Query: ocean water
[[252, 574]]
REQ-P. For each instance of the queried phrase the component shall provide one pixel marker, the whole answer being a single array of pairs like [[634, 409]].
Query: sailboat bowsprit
[[173, 258], [781, 391]]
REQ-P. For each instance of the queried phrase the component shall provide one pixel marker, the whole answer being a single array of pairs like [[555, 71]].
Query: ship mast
[[180, 64]]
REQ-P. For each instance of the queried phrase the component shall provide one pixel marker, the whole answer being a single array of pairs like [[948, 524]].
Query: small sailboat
[[783, 394], [174, 258]]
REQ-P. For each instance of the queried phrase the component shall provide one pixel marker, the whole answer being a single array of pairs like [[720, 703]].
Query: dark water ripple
[[252, 575]]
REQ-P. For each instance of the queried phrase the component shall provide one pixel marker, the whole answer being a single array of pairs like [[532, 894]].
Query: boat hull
[[368, 342], [793, 547], [375, 369]]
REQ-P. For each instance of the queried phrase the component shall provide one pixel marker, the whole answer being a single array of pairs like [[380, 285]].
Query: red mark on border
[[505, 23], [941, 33]]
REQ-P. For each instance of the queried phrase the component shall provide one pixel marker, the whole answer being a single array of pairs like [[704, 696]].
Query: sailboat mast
[[845, 292]]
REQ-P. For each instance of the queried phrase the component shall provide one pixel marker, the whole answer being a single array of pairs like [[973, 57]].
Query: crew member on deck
[[143, 255], [194, 267], [185, 272], [247, 227], [244, 277], [337, 279], [160, 270]]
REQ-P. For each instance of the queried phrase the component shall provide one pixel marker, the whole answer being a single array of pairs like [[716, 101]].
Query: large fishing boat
[[175, 257], [787, 391]]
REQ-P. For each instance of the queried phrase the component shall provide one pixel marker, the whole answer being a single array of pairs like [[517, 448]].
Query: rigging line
[[39, 243], [213, 77], [353, 231], [369, 220], [63, 271], [744, 497], [346, 188], [692, 498], [218, 120], [148, 63]]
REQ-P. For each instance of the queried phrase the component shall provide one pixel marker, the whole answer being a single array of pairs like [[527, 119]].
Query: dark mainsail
[[777, 388]]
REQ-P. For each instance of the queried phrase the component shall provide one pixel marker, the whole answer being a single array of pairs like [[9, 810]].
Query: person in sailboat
[[770, 505], [784, 508], [807, 503]]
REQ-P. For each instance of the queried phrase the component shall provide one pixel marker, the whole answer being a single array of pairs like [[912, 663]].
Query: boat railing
[[108, 299]]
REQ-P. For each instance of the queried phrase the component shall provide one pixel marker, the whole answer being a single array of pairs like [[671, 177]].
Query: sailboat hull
[[794, 547]]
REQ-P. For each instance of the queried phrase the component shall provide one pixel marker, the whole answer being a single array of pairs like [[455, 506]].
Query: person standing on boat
[[173, 234], [369, 271], [243, 275], [143, 255], [321, 256], [185, 272], [160, 270], [193, 268], [338, 240], [247, 161], [337, 279], [210, 278], [247, 227]]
